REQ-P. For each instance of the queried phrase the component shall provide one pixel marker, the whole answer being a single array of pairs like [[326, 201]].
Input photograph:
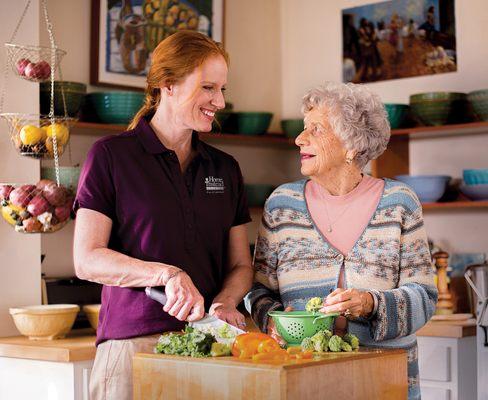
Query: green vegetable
[[219, 349], [225, 332], [314, 304], [352, 340], [327, 333], [320, 341], [345, 346], [191, 342], [307, 344], [335, 343]]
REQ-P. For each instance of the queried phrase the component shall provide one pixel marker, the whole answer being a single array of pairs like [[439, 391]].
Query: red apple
[[5, 191], [21, 196], [44, 182], [63, 212], [55, 195], [40, 70], [38, 205], [21, 64]]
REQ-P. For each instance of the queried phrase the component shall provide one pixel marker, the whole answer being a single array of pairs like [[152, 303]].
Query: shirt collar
[[153, 145]]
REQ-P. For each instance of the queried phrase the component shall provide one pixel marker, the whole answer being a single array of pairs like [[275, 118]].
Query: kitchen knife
[[207, 323]]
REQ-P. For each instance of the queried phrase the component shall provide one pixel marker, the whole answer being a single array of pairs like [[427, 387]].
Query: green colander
[[294, 326]]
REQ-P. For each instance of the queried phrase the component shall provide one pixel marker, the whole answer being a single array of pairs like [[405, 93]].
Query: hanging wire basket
[[39, 136], [33, 63], [42, 208]]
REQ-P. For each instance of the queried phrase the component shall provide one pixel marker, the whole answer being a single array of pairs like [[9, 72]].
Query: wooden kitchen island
[[366, 374]]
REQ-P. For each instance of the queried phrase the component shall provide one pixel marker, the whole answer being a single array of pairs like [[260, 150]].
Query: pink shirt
[[343, 219]]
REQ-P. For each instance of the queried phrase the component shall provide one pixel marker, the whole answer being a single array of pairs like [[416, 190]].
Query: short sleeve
[[242, 210], [96, 187]]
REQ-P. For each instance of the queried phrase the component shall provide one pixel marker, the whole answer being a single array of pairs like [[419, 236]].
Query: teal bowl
[[292, 127], [440, 108], [475, 176], [257, 194], [397, 114], [479, 101], [74, 93], [253, 123], [115, 107]]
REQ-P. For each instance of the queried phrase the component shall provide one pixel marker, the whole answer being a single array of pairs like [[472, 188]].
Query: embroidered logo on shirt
[[214, 185]]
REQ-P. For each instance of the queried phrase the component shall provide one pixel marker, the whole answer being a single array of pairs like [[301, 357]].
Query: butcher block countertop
[[450, 329], [367, 374], [77, 346]]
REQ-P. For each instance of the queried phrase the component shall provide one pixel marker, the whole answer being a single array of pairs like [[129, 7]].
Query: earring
[[349, 160]]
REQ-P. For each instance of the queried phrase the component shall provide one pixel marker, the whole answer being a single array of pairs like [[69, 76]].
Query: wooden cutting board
[[367, 374]]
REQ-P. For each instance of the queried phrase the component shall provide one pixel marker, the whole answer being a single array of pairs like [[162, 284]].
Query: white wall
[[20, 263], [312, 54]]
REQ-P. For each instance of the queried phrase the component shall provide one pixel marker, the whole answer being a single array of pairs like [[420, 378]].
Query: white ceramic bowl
[[92, 311], [45, 322]]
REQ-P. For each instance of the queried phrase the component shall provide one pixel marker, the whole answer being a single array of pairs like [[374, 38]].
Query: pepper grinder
[[444, 302]]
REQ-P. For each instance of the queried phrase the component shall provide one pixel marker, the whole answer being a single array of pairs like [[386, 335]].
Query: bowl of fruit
[[32, 63], [42, 208], [39, 136]]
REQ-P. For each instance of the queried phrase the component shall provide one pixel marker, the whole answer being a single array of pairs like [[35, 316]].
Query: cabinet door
[[435, 361]]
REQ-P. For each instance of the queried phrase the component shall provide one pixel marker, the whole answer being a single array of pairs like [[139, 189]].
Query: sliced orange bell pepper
[[276, 355], [248, 344]]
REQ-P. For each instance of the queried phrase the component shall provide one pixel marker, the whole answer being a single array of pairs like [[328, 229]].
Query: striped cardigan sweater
[[294, 262]]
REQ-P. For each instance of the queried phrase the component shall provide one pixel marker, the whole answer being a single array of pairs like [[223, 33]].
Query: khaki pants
[[111, 376]]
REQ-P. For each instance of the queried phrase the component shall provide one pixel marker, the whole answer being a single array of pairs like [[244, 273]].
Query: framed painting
[[124, 33], [398, 39]]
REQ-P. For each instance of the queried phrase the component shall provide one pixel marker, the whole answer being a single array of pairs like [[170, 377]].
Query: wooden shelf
[[455, 205], [444, 130], [267, 140]]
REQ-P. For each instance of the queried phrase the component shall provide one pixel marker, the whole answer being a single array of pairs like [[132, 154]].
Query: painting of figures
[[398, 39]]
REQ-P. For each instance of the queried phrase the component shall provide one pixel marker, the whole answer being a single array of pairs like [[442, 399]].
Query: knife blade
[[207, 323]]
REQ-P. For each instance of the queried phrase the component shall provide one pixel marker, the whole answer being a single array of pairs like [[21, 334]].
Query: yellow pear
[[30, 134], [61, 132]]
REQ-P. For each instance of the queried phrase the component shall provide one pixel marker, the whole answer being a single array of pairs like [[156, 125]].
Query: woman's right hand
[[184, 301], [273, 332]]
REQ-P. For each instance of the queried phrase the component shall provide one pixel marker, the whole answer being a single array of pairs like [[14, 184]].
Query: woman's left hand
[[228, 312], [350, 302]]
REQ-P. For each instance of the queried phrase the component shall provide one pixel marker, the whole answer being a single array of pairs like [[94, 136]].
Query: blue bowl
[[115, 107], [429, 188], [475, 176], [475, 192]]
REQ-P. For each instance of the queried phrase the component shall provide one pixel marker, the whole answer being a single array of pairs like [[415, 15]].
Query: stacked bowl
[[479, 101], [113, 107], [440, 108], [475, 184], [74, 92], [397, 114], [429, 188]]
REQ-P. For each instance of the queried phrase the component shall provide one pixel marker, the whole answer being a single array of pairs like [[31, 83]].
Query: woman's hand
[[350, 302], [227, 311], [184, 300], [273, 332]]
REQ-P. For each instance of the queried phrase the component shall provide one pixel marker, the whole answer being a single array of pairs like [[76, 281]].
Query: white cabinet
[[23, 379], [447, 368]]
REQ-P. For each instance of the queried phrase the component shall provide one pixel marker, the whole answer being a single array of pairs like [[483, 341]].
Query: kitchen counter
[[451, 329], [79, 345], [367, 374]]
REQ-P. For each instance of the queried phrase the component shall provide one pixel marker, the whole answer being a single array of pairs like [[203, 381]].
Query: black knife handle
[[156, 294]]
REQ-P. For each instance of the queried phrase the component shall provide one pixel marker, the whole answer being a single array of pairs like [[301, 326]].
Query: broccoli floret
[[335, 343], [345, 346], [314, 304], [352, 340], [327, 333], [219, 349], [307, 344], [320, 341]]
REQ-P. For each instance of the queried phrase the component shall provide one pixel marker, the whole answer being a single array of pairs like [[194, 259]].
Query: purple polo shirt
[[161, 214]]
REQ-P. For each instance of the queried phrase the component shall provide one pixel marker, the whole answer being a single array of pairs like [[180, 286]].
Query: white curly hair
[[357, 116]]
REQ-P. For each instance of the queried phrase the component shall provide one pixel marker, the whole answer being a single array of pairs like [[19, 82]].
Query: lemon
[[30, 134], [44, 133], [60, 131], [6, 214]]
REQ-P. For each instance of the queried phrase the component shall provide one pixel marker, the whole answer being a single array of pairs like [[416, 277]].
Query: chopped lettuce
[[191, 342]]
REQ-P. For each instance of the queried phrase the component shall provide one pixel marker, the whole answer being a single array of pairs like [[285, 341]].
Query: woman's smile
[[306, 156]]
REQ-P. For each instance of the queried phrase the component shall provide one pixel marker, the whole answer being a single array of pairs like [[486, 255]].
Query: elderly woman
[[357, 241]]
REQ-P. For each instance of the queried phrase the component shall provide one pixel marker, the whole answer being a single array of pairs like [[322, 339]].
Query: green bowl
[[397, 114], [253, 123], [292, 127], [294, 326], [257, 194], [479, 101], [440, 108], [115, 107], [74, 93], [68, 176]]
